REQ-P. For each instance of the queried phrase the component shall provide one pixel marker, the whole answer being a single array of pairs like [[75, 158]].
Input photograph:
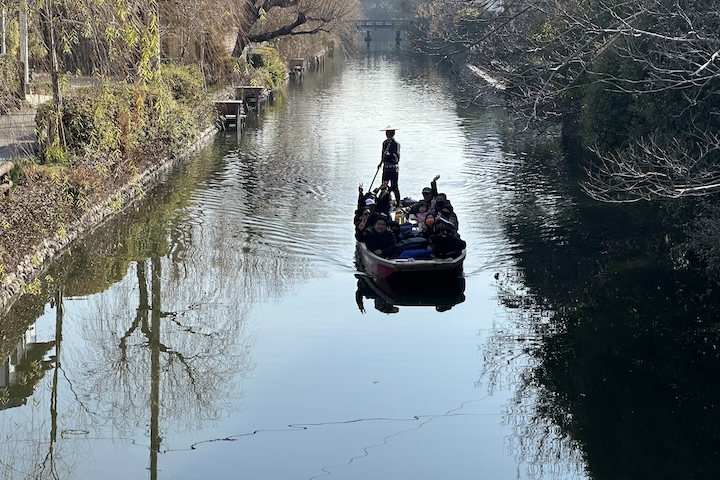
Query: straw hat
[[389, 127]]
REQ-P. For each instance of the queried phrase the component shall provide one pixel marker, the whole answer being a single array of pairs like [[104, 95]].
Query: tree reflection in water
[[628, 375], [48, 457], [179, 359], [511, 360], [614, 348], [163, 348]]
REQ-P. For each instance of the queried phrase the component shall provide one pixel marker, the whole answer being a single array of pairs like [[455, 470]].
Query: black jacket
[[390, 152], [375, 241], [445, 240]]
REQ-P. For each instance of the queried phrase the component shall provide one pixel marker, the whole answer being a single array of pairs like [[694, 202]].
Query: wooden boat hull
[[380, 267]]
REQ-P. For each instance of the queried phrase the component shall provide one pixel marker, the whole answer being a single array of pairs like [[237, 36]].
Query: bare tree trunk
[[55, 133], [52, 52], [4, 37], [24, 46]]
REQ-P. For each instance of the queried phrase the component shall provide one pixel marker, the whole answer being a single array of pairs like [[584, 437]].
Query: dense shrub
[[125, 121], [270, 70], [185, 83]]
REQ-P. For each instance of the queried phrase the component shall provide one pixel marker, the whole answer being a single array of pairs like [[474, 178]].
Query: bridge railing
[[368, 23]]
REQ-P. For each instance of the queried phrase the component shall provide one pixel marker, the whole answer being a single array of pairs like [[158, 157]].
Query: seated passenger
[[428, 195], [452, 218], [445, 240], [363, 196], [448, 213], [382, 198], [421, 209], [364, 201], [379, 239], [428, 224], [362, 224], [437, 204]]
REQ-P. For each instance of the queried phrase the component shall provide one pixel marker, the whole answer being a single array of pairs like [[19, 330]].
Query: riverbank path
[[17, 130]]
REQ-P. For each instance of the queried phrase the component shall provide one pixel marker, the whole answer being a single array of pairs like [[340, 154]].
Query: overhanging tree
[[641, 77], [267, 20]]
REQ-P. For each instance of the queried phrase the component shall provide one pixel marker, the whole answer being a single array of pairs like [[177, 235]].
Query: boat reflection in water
[[416, 290]]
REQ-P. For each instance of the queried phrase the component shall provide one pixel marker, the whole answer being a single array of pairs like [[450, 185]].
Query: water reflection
[[160, 303], [639, 375], [388, 295], [169, 340], [631, 363], [161, 341], [158, 318], [612, 344], [24, 366]]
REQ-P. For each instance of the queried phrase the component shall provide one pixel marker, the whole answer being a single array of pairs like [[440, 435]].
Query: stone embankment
[[17, 140]]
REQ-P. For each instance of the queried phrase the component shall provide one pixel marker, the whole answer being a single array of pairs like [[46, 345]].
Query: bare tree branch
[[641, 77]]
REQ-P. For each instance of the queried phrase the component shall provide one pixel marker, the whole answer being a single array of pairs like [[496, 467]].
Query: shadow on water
[[614, 344], [388, 295]]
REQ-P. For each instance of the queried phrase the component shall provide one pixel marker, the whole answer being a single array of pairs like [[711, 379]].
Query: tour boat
[[381, 267]]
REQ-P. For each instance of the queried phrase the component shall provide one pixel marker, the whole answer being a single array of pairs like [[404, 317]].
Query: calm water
[[217, 329]]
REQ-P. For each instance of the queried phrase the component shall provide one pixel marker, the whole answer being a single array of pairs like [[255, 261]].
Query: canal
[[218, 327]]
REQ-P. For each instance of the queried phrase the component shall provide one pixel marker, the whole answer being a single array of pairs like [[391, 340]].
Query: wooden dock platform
[[253, 97], [296, 67], [231, 112]]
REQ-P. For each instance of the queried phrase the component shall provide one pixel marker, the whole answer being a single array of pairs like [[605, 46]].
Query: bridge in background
[[386, 24], [369, 25]]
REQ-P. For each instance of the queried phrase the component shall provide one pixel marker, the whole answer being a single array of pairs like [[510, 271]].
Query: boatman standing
[[390, 161]]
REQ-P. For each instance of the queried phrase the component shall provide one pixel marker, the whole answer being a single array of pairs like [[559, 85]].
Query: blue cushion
[[416, 253]]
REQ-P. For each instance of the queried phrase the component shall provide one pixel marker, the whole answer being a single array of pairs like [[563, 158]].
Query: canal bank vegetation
[[635, 83], [155, 67], [105, 148]]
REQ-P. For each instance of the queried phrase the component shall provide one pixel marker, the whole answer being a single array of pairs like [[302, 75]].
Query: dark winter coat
[[376, 241]]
